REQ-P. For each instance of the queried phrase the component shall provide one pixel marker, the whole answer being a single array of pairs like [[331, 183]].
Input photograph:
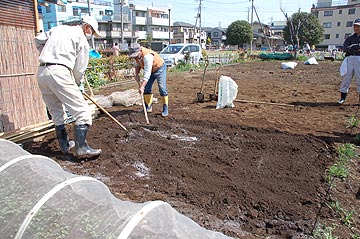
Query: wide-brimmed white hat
[[93, 23]]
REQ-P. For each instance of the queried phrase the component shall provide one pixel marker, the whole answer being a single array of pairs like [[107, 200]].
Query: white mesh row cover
[[39, 200]]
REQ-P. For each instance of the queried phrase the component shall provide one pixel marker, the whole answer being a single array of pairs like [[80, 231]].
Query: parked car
[[175, 53]]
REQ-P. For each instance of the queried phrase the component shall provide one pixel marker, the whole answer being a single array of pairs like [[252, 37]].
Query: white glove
[[82, 88]]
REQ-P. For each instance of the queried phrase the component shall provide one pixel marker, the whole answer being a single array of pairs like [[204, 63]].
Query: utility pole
[[122, 22], [200, 21], [169, 27], [89, 9], [252, 25]]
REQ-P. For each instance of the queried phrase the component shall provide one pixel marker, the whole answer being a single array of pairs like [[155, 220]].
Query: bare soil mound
[[253, 171]]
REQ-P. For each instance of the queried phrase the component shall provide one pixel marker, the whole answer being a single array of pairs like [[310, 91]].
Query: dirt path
[[253, 171]]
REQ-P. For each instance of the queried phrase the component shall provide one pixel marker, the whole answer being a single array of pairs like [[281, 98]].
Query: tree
[[238, 33], [303, 27]]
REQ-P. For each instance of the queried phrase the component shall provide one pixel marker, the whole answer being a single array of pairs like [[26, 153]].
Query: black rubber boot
[[62, 136], [81, 146], [342, 98]]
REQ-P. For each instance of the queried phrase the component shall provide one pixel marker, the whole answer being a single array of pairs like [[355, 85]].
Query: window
[[337, 35], [108, 12], [101, 13], [79, 10], [327, 24], [349, 24], [328, 13], [340, 12], [61, 8], [48, 9], [215, 34], [326, 36], [338, 24], [351, 11]]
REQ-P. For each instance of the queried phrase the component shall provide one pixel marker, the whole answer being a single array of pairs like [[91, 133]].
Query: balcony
[[158, 21], [142, 34], [160, 35], [140, 21]]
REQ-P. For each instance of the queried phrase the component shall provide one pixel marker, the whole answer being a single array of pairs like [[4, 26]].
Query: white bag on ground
[[288, 65], [228, 90], [104, 101], [311, 61], [126, 98]]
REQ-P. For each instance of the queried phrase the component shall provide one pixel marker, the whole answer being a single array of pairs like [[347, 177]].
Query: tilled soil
[[254, 171]]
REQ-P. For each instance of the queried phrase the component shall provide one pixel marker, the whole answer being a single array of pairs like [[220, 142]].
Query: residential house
[[216, 37], [187, 33]]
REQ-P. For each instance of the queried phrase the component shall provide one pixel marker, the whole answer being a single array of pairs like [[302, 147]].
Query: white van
[[174, 53]]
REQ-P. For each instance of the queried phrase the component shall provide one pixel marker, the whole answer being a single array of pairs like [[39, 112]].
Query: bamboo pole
[[36, 13], [260, 102], [23, 130]]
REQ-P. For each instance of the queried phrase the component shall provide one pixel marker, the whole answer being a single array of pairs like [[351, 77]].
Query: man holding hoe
[[63, 60], [154, 69]]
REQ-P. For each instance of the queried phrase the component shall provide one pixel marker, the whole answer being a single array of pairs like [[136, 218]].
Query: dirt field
[[253, 171]]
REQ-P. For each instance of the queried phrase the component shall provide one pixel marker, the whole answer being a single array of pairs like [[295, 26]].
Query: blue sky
[[224, 12]]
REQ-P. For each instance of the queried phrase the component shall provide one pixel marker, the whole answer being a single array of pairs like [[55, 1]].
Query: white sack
[[104, 101], [126, 98], [228, 90], [311, 61], [288, 65]]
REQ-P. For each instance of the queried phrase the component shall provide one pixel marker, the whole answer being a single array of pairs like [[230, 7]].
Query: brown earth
[[253, 171]]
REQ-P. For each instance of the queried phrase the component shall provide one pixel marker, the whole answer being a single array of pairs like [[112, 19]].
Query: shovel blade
[[200, 97]]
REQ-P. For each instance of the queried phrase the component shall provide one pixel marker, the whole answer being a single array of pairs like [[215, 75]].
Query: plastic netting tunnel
[[39, 200]]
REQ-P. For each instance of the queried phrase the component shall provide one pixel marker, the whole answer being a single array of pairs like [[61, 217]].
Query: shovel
[[200, 95], [214, 96]]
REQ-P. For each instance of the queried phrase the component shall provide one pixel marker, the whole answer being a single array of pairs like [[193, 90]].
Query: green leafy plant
[[352, 122], [324, 232]]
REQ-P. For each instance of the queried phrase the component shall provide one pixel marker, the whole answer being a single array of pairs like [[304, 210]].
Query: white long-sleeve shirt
[[148, 63], [65, 45]]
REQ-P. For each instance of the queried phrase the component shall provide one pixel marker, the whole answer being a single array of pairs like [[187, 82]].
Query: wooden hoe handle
[[105, 111]]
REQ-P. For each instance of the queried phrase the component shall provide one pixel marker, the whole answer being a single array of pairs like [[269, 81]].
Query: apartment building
[[151, 23], [188, 33], [120, 21], [337, 19]]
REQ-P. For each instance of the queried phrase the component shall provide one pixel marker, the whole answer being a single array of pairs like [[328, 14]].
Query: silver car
[[175, 53]]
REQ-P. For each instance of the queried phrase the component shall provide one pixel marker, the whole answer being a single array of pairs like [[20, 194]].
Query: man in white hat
[[63, 60], [350, 66]]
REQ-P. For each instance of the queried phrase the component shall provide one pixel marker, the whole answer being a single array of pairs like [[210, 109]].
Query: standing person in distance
[[116, 49], [350, 66], [154, 69], [63, 60]]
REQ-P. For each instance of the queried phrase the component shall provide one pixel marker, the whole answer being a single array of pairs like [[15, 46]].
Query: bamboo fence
[[21, 102]]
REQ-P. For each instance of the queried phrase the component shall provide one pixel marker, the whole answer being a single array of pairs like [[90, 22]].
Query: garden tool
[[145, 109], [200, 95], [214, 96]]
